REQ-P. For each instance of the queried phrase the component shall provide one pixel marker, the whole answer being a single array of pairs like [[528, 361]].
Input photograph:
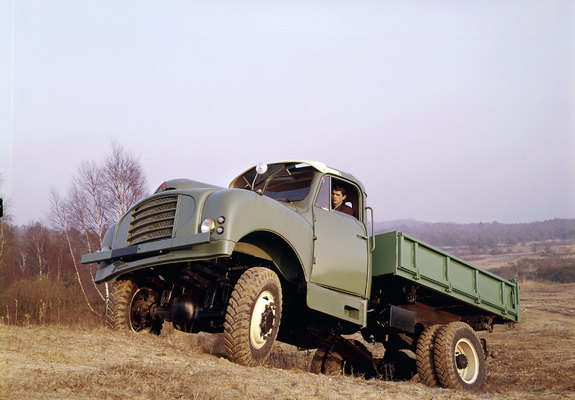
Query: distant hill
[[481, 234]]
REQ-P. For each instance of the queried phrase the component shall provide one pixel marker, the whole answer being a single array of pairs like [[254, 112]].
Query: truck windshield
[[287, 186]]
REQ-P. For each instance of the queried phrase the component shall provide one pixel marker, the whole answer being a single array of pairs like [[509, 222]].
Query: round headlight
[[208, 225]]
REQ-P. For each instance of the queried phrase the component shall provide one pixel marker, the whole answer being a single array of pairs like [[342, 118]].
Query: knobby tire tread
[[318, 361], [425, 356], [445, 367], [334, 364], [118, 307], [238, 314]]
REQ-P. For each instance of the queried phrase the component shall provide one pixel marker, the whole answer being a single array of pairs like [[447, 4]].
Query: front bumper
[[126, 259]]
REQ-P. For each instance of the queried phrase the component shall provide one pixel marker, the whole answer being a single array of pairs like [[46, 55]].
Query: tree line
[[483, 235], [41, 278], [496, 238]]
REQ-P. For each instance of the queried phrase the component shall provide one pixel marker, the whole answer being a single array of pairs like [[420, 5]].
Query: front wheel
[[130, 307], [458, 356], [253, 317]]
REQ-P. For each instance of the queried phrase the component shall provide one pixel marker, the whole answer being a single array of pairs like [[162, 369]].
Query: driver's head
[[337, 196]]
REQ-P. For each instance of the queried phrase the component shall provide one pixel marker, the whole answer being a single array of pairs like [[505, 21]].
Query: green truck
[[288, 253]]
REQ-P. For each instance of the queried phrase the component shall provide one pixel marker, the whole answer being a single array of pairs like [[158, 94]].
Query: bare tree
[[37, 238], [3, 241], [8, 250], [98, 196], [90, 200], [60, 219], [124, 182], [81, 212], [3, 234], [21, 260]]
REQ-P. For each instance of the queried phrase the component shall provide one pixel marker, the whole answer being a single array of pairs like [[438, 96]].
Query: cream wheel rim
[[263, 319], [468, 366]]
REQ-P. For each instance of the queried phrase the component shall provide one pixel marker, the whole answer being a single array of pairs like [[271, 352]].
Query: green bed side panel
[[401, 255]]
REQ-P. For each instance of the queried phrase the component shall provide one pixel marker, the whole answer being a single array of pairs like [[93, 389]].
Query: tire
[[253, 317], [331, 362], [387, 370], [458, 357], [396, 366], [425, 358], [317, 361], [334, 364], [129, 308]]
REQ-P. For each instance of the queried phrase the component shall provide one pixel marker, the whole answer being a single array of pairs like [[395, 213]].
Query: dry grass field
[[507, 255], [535, 360]]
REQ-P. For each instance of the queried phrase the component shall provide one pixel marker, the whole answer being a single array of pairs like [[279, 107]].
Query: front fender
[[247, 212]]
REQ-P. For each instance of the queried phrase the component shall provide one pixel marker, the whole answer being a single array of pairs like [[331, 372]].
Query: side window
[[323, 197], [338, 196]]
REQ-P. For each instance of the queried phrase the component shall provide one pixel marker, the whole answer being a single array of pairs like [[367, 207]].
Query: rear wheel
[[318, 361], [424, 356], [396, 366], [130, 307], [332, 362], [458, 356], [253, 317]]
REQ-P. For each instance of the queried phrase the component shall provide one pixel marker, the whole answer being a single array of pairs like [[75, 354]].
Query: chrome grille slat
[[153, 220], [156, 204], [151, 230], [156, 216], [152, 223]]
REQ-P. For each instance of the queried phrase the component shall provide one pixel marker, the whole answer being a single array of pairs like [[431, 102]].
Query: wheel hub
[[268, 317], [140, 310], [461, 361]]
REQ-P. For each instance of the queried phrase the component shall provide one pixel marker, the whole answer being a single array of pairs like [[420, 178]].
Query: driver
[[337, 198]]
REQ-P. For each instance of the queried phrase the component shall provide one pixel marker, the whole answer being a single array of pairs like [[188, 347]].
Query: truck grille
[[153, 220]]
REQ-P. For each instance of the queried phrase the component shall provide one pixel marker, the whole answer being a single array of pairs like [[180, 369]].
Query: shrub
[[40, 300], [551, 268]]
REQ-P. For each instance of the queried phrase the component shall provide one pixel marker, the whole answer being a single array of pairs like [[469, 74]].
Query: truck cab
[[339, 271]]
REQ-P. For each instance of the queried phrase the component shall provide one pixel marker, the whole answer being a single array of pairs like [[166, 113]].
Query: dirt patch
[[535, 360]]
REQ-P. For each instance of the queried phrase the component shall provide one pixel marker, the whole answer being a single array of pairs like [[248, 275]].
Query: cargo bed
[[397, 254]]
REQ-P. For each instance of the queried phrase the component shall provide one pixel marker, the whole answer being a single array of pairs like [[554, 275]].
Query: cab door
[[341, 254]]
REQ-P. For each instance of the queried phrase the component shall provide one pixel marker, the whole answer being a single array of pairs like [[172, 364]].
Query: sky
[[447, 111]]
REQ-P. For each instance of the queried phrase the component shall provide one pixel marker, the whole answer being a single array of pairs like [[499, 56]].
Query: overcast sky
[[460, 111]]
